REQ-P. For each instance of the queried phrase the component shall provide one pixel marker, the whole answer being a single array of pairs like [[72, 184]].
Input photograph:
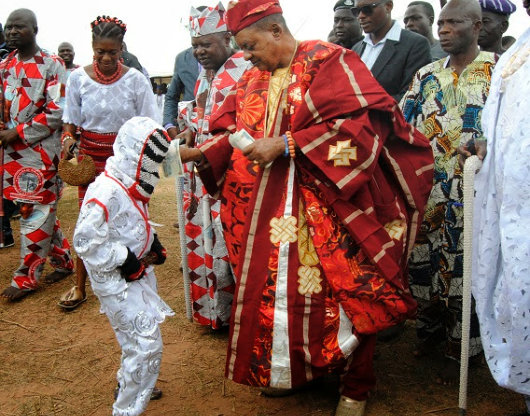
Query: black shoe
[[156, 394], [8, 241], [392, 333]]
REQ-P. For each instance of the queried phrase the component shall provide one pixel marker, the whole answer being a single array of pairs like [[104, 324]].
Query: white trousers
[[135, 315]]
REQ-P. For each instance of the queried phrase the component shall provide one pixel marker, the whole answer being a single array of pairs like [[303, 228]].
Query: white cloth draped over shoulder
[[501, 223]]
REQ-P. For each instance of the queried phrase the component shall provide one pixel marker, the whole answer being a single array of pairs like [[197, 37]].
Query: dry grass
[[63, 364]]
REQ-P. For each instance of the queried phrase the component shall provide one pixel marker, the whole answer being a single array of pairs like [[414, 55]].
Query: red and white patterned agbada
[[32, 93], [212, 283], [33, 90]]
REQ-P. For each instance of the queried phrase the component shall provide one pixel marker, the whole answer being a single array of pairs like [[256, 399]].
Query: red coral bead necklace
[[104, 79]]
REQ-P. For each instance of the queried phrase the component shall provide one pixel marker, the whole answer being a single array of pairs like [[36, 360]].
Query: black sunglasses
[[367, 10]]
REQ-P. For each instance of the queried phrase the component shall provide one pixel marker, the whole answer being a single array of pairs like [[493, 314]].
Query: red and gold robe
[[319, 243]]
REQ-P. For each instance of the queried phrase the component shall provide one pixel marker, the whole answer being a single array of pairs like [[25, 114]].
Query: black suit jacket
[[399, 61]]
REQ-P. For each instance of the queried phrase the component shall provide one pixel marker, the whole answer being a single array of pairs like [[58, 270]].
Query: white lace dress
[[104, 108], [501, 252]]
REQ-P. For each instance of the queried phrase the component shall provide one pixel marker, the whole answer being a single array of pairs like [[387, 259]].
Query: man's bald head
[[25, 14], [467, 8], [66, 45], [21, 32]]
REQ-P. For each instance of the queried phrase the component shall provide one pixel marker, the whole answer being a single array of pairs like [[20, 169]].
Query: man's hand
[[478, 147], [172, 132], [264, 151], [190, 154], [8, 136], [187, 137]]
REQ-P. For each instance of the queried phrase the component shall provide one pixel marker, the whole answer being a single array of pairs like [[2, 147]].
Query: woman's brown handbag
[[81, 173]]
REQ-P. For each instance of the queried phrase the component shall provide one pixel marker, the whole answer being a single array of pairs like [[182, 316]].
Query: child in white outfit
[[114, 238]]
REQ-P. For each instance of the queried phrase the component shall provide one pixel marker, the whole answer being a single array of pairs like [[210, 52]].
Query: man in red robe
[[320, 212]]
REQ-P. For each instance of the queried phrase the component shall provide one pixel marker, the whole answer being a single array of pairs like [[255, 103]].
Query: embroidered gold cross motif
[[395, 229], [309, 280], [342, 153], [283, 230]]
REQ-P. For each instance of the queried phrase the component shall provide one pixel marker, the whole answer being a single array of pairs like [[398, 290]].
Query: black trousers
[[9, 209]]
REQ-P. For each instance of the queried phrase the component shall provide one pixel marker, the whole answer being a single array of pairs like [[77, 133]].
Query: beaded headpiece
[[108, 19]]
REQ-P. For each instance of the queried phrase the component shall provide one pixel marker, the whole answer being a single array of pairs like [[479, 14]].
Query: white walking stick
[[174, 167], [471, 167]]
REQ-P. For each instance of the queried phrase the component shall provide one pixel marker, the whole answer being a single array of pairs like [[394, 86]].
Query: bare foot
[[57, 276], [13, 294]]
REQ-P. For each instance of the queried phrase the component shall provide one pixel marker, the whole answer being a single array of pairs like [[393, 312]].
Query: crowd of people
[[323, 191]]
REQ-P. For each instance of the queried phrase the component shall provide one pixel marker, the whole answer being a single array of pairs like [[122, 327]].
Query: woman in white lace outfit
[[501, 223], [100, 97], [114, 238]]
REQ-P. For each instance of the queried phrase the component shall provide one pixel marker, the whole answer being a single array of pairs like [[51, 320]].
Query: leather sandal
[[71, 299]]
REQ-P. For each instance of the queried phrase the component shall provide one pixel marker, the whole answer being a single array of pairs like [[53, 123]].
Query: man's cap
[[210, 20], [244, 13], [498, 6], [344, 4]]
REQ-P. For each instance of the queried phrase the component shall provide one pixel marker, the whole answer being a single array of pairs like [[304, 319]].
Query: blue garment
[[182, 85]]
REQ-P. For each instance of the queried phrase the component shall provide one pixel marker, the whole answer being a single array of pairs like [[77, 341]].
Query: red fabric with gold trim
[[352, 197], [243, 13]]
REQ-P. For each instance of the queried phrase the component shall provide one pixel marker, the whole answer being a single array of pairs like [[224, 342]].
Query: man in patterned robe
[[445, 102], [32, 83], [212, 282], [319, 222]]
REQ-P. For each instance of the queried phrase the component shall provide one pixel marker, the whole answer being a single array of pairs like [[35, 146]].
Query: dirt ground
[[63, 364]]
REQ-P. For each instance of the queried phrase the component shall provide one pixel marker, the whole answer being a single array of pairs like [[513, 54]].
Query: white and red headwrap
[[210, 20]]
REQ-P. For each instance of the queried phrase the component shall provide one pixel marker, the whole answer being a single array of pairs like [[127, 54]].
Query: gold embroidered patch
[[342, 153], [306, 250], [395, 229], [283, 230], [309, 280]]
